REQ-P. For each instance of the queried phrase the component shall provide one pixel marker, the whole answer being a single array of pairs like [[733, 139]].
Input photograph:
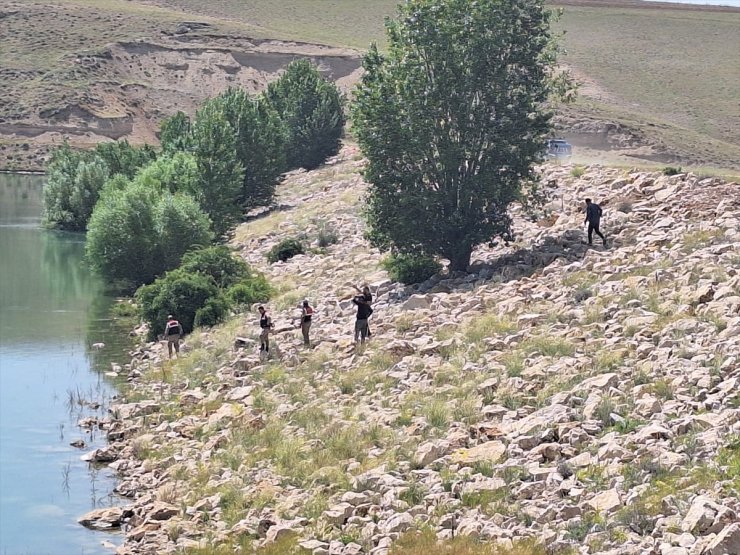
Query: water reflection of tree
[[113, 333], [66, 276]]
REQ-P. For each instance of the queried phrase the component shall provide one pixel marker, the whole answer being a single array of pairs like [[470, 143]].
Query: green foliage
[[285, 250], [123, 159], [671, 170], [219, 263], [74, 181], [260, 144], [253, 290], [173, 172], [174, 133], [451, 120], [578, 171], [311, 109], [220, 174], [202, 291], [213, 312], [179, 293], [411, 268], [136, 233]]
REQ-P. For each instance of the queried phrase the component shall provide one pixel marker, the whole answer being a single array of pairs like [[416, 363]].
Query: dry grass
[[425, 543]]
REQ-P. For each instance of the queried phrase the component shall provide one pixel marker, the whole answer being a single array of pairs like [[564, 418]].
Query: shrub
[[410, 268], [174, 133], [311, 110], [253, 290], [173, 172], [213, 312], [285, 250], [577, 171], [670, 170], [219, 263], [179, 293], [136, 234]]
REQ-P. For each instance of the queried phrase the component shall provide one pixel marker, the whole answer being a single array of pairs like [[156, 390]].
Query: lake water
[[52, 310]]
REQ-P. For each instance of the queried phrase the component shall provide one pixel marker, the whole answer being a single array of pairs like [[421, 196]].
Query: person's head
[[261, 309], [305, 302], [588, 201], [365, 289], [170, 317]]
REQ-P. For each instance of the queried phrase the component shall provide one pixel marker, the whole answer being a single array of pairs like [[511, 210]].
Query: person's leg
[[363, 331], [357, 330], [267, 342], [263, 337], [590, 232], [169, 348], [177, 347], [596, 229], [305, 329]]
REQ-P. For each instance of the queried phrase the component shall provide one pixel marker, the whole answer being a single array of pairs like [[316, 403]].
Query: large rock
[[491, 451], [398, 523], [700, 516], [338, 514], [103, 519], [727, 542], [605, 502], [416, 302], [429, 452]]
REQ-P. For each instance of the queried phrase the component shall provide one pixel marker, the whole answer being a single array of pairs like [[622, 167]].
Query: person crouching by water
[[265, 327], [306, 316], [173, 334], [364, 310]]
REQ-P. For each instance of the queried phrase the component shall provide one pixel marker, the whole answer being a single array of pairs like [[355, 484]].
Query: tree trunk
[[460, 259]]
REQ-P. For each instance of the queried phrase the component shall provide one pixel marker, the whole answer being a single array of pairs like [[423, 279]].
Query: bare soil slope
[[657, 81]]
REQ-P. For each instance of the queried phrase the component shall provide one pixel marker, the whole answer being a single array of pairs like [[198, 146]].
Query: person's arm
[[586, 220]]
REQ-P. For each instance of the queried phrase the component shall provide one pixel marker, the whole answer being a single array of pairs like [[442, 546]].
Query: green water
[[52, 310]]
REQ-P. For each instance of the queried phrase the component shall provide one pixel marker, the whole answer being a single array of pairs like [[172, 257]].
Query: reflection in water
[[51, 311]]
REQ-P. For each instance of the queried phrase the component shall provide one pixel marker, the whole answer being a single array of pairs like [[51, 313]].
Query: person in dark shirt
[[593, 219], [364, 310], [306, 316], [368, 300], [173, 334], [265, 327]]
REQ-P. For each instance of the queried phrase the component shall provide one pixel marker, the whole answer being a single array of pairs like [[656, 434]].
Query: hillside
[[658, 84], [583, 397]]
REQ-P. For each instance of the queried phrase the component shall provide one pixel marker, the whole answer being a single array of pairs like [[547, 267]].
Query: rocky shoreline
[[584, 397]]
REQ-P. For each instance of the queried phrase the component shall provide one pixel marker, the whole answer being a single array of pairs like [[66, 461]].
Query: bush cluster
[[143, 210], [285, 250], [203, 291], [411, 268]]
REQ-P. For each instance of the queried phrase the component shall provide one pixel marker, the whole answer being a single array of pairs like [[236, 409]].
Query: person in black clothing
[[367, 297], [173, 334], [364, 311], [593, 219], [265, 327], [306, 316]]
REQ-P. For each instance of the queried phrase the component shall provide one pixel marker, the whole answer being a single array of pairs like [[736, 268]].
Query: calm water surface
[[52, 310]]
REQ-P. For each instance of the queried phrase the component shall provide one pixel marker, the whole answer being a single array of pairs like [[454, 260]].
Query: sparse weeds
[[699, 239], [549, 346], [489, 325]]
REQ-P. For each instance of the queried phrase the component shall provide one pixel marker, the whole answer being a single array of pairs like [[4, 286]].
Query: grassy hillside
[[665, 73]]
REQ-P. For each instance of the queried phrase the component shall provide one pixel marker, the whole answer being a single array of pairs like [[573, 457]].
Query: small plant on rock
[[409, 269]]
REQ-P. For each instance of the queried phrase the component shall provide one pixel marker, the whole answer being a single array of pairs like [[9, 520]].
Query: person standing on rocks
[[368, 300], [265, 326], [364, 310], [306, 315], [173, 334], [593, 219]]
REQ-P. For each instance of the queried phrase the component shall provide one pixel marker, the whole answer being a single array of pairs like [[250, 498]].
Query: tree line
[[451, 118]]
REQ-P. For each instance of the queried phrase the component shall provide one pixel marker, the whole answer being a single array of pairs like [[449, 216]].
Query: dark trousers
[[594, 226]]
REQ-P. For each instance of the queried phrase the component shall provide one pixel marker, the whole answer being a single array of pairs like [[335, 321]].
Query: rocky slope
[[584, 397]]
